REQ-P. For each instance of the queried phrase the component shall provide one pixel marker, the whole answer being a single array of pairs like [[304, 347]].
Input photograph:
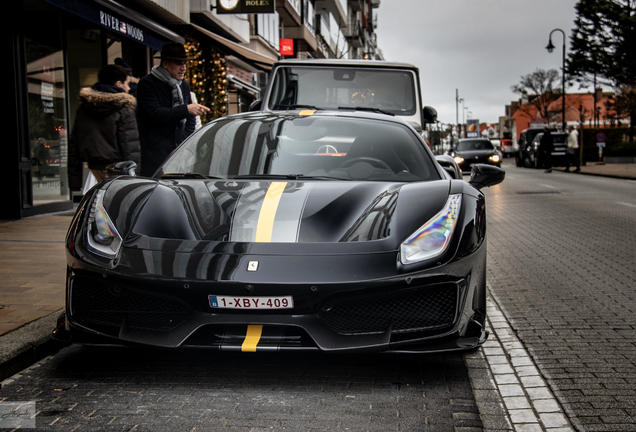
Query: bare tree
[[540, 88]]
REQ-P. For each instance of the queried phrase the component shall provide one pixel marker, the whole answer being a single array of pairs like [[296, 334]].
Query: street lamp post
[[464, 119], [461, 128], [457, 128], [550, 48]]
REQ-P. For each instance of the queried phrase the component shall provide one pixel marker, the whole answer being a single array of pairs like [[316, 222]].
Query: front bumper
[[428, 314]]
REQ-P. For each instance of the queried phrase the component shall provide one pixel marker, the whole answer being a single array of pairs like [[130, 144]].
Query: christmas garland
[[207, 76]]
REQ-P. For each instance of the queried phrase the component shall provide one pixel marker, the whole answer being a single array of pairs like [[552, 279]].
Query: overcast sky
[[480, 47]]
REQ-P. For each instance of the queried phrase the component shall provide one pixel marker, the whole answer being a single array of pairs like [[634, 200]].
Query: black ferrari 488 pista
[[295, 230]]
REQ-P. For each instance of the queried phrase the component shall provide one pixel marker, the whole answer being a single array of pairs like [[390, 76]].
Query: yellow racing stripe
[[252, 337], [267, 215]]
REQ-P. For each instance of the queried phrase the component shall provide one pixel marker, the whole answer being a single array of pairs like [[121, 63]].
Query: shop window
[[47, 115]]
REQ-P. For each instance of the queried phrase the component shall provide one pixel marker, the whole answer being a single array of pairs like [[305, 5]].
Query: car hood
[[273, 211]]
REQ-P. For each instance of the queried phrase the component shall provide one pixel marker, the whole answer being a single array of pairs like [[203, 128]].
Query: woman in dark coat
[[105, 129]]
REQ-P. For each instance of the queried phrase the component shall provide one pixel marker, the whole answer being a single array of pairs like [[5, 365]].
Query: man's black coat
[[160, 130]]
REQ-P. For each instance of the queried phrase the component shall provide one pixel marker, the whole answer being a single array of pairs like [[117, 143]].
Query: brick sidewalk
[[609, 170], [32, 269]]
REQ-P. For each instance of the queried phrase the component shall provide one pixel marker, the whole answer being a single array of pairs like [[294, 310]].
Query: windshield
[[474, 145], [319, 147], [336, 88], [559, 138]]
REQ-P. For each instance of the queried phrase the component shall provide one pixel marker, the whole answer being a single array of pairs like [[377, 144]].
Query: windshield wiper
[[362, 108], [189, 175], [294, 106], [286, 177]]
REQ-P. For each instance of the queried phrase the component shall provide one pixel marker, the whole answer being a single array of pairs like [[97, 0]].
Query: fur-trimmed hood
[[103, 103]]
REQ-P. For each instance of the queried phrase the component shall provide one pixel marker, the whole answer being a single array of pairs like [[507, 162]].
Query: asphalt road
[[562, 266]]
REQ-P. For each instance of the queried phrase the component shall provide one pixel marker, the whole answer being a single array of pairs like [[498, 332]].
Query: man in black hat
[[165, 109]]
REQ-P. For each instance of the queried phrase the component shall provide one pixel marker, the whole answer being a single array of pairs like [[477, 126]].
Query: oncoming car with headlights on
[[297, 230], [473, 151]]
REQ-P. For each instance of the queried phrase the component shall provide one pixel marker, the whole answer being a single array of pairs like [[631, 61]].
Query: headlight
[[494, 158], [432, 238], [102, 237], [458, 159]]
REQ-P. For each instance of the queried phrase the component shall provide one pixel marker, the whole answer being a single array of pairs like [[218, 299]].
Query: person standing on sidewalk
[[166, 112], [546, 147], [105, 128], [573, 150]]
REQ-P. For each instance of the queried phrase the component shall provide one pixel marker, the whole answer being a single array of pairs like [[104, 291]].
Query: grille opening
[[107, 304], [413, 310], [229, 335]]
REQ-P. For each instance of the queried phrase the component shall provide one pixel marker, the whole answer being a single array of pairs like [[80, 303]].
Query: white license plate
[[241, 302]]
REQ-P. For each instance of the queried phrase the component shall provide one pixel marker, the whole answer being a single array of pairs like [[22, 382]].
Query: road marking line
[[626, 204]]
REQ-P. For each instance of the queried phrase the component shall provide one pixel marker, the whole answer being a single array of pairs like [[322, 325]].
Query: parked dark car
[[295, 230], [524, 146], [472, 151], [559, 157]]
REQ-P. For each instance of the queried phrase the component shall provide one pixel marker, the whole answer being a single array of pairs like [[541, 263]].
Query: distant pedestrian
[[546, 147], [166, 112], [572, 152], [105, 128], [41, 155]]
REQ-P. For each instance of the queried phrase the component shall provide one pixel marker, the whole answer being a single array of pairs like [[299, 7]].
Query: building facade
[[59, 46], [581, 109]]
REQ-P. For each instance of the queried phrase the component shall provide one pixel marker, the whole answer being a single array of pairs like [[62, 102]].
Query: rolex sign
[[245, 6]]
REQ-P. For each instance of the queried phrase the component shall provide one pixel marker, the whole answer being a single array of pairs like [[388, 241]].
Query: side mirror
[[257, 105], [449, 165], [482, 175], [127, 168], [429, 114]]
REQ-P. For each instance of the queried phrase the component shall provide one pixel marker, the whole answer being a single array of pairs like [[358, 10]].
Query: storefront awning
[[122, 20], [254, 58], [239, 84]]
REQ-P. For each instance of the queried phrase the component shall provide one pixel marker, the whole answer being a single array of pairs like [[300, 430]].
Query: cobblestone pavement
[[562, 253], [122, 389]]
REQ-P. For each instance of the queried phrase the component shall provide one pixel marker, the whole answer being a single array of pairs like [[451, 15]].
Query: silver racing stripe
[[288, 213]]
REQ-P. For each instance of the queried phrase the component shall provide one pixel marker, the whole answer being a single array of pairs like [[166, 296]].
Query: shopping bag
[[89, 183]]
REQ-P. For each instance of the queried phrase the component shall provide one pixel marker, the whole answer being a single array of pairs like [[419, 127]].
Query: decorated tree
[[219, 71], [207, 76]]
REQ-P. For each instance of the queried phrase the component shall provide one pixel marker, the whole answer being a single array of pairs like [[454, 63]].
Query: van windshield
[[340, 88]]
